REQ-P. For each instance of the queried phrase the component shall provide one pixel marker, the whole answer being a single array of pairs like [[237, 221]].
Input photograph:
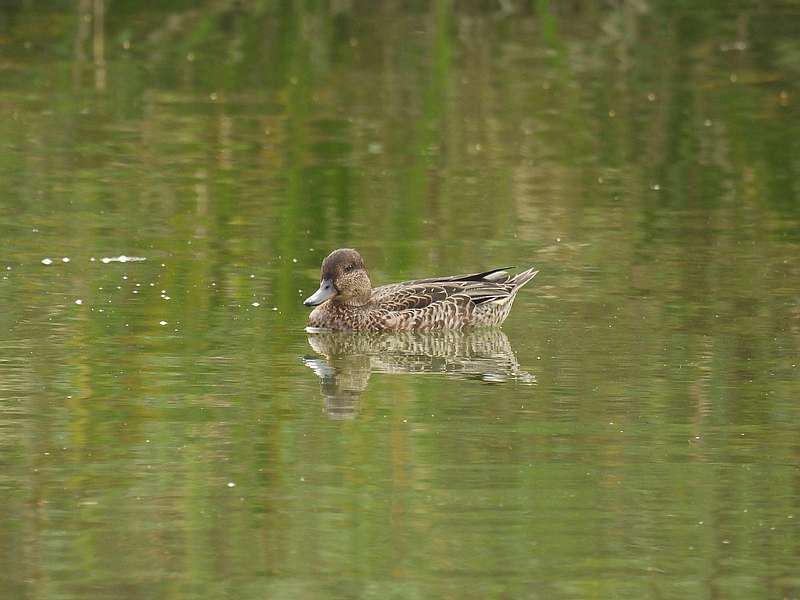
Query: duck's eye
[[349, 268]]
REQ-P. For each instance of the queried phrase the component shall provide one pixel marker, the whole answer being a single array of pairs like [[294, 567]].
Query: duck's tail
[[521, 279]]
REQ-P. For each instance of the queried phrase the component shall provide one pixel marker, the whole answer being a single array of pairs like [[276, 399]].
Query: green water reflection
[[633, 432]]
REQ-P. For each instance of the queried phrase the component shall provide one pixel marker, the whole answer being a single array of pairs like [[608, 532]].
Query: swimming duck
[[346, 299]]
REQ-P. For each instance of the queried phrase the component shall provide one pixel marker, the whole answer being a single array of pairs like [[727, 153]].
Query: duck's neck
[[358, 301], [356, 296]]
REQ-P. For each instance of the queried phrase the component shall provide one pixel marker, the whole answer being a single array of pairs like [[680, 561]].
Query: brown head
[[344, 280]]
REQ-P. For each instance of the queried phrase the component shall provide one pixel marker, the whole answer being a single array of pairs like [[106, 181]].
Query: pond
[[171, 177]]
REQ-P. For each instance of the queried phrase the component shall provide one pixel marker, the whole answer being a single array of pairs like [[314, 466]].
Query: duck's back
[[452, 302]]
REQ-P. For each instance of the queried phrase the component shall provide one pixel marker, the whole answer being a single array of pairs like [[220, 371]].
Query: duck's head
[[344, 280]]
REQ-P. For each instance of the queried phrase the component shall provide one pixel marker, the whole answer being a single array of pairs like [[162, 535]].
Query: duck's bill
[[326, 291]]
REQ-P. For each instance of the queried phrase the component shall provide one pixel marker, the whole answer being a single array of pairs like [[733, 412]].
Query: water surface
[[167, 427]]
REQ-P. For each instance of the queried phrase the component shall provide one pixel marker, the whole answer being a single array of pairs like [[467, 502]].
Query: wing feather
[[494, 285], [409, 297], [423, 295], [497, 275]]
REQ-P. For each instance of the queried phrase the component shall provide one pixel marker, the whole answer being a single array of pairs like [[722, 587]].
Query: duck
[[346, 300]]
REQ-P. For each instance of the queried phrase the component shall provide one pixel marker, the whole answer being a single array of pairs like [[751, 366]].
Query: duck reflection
[[347, 359]]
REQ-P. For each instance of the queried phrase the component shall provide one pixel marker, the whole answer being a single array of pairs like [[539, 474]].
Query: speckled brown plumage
[[347, 300]]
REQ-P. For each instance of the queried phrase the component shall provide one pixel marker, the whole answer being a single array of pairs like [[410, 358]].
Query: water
[[167, 427]]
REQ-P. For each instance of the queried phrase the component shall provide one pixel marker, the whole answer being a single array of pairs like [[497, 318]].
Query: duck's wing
[[499, 275], [414, 295], [492, 276]]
